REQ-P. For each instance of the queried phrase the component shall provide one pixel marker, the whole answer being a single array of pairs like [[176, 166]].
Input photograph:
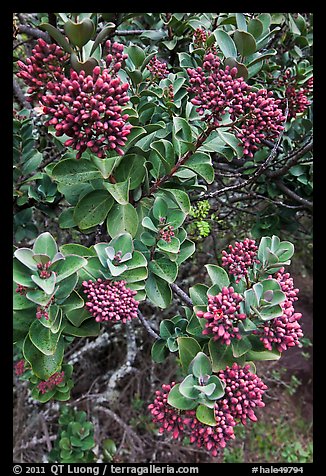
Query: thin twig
[[307, 204], [182, 295], [122, 423], [147, 326], [34, 32]]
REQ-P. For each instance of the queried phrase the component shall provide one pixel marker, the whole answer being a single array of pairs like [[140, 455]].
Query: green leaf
[[88, 65], [76, 249], [159, 351], [218, 391], [102, 36], [67, 266], [57, 36], [79, 33], [106, 166], [266, 20], [187, 389], [171, 247], [241, 21], [119, 191], [231, 141], [47, 285], [136, 55], [66, 218], [182, 138], [195, 326], [180, 198], [92, 209], [201, 163], [187, 249], [131, 168], [265, 243], [164, 268], [43, 365], [74, 301], [221, 356], [263, 355], [200, 365], [43, 338], [122, 218], [88, 329], [72, 171], [188, 349], [271, 312], [246, 43], [66, 287], [160, 208], [158, 291], [38, 297], [206, 415], [147, 223], [218, 275], [177, 400], [21, 302], [25, 256], [21, 274], [285, 251], [167, 328], [240, 347], [165, 152], [225, 43], [78, 316]]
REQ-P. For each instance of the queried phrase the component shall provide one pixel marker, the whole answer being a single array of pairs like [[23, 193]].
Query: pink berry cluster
[[217, 91], [157, 68], [89, 110], [265, 120], [222, 315], [296, 96], [240, 258], [167, 233], [20, 367], [110, 301], [212, 437], [43, 270], [42, 311], [46, 64], [243, 392], [185, 423], [169, 93], [21, 290], [52, 382], [199, 38], [115, 56], [170, 419], [284, 331]]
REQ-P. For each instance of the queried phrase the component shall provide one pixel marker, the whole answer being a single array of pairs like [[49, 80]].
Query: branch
[[293, 160], [124, 370], [114, 416], [97, 344], [130, 32], [182, 295], [181, 161], [307, 204], [147, 326], [20, 95], [34, 32]]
